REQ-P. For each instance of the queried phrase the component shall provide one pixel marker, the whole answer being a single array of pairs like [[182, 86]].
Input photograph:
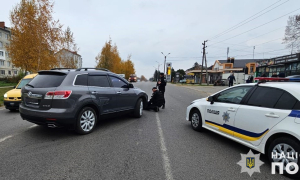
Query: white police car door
[[221, 114], [265, 108]]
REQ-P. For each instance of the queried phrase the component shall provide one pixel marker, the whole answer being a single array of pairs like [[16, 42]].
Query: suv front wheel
[[86, 121], [138, 111]]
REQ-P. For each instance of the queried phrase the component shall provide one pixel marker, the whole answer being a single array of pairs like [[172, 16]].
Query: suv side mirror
[[210, 99], [130, 85]]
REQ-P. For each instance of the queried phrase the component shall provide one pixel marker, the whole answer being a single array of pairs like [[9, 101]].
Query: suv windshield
[[23, 83], [47, 80]]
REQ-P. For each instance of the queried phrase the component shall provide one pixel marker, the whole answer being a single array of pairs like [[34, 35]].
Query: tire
[[138, 111], [13, 110], [292, 144], [86, 126], [196, 120]]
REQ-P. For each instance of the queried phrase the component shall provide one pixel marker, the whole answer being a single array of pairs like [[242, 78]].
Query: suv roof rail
[[102, 69], [61, 68]]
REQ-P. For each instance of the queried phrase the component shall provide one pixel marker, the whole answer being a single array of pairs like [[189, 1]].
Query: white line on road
[[7, 137], [32, 126], [167, 165]]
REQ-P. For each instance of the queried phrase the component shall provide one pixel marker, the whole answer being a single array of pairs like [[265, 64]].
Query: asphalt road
[[156, 146]]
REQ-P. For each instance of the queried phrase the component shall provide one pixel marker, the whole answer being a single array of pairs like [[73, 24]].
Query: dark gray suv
[[79, 98]]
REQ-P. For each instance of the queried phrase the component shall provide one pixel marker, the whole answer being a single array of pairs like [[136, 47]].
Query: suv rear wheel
[[138, 111], [86, 121]]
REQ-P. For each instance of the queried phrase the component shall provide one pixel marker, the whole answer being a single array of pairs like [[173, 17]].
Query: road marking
[[32, 126], [7, 137], [166, 161]]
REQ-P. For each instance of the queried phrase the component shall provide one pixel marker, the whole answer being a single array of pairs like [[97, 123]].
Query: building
[[282, 66], [69, 59], [6, 67], [221, 69]]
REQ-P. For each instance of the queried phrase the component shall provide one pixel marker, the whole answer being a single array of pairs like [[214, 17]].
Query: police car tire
[[199, 127], [291, 142]]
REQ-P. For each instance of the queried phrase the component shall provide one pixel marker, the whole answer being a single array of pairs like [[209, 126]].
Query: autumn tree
[[292, 33], [65, 56], [109, 58], [35, 35], [143, 78]]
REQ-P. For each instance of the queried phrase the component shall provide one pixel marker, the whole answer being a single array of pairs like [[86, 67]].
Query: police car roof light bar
[[266, 79]]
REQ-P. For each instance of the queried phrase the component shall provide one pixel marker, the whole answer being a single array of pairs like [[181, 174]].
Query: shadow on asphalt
[[43, 132], [223, 141]]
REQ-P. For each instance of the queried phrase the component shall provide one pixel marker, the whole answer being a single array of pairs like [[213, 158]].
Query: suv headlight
[[5, 95]]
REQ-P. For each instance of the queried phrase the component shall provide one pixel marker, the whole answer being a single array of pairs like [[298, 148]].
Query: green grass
[[2, 92], [3, 83]]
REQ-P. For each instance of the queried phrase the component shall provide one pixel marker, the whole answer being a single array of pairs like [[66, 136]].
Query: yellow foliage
[[36, 36], [110, 59]]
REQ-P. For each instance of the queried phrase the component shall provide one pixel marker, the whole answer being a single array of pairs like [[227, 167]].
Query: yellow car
[[12, 98]]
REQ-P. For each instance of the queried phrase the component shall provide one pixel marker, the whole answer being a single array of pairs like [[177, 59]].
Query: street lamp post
[[158, 69], [165, 61]]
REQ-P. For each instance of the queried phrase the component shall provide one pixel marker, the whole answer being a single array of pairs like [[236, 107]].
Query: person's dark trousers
[[163, 94], [230, 83], [151, 106]]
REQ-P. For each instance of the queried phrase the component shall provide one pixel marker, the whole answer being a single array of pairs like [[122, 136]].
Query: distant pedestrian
[[156, 100], [230, 79], [161, 84], [250, 79]]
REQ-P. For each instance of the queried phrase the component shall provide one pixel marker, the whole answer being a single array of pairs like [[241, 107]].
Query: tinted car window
[[233, 95], [100, 81], [23, 83], [265, 97], [47, 80], [81, 80], [297, 105], [286, 101], [118, 82]]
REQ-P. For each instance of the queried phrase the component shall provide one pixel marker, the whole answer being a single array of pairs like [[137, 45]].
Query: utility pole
[[165, 61], [253, 51], [202, 61], [227, 52], [206, 76]]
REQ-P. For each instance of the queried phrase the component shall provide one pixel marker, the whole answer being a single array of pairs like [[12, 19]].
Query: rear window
[[23, 83], [265, 97], [81, 80], [47, 80]]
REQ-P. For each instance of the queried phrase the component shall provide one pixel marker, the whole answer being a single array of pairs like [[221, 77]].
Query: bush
[[13, 79]]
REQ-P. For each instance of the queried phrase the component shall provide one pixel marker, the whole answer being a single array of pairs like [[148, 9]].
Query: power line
[[256, 27], [242, 22]]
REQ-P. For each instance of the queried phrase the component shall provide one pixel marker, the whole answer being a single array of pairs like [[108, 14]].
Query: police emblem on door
[[250, 162], [226, 116]]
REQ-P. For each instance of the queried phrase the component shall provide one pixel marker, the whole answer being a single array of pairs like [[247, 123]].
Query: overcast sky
[[145, 28]]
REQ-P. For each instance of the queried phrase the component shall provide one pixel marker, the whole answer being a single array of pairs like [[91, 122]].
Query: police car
[[264, 116]]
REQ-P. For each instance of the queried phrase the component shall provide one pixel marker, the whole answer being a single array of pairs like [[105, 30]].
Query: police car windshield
[[23, 83]]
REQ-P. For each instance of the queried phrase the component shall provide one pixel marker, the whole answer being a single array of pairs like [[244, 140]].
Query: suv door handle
[[272, 115], [231, 109], [119, 92], [94, 92]]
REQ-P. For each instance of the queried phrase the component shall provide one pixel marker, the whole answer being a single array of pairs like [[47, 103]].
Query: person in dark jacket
[[230, 79], [161, 84], [156, 100], [250, 79]]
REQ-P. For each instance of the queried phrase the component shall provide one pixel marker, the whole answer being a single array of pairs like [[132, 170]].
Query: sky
[[145, 28]]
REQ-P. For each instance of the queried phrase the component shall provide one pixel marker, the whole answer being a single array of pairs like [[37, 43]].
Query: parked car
[[12, 98], [79, 98], [263, 116], [132, 78], [182, 81]]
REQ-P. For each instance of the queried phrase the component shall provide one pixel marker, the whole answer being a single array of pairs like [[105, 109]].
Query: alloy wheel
[[87, 120]]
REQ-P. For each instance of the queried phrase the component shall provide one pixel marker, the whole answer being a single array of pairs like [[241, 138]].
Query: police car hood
[[198, 100]]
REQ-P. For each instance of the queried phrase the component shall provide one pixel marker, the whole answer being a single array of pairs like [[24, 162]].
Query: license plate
[[12, 104], [32, 101]]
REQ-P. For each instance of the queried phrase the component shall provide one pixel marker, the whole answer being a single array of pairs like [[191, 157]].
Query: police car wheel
[[196, 120], [285, 149]]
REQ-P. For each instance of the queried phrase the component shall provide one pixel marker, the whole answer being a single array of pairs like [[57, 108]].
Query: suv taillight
[[58, 94]]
